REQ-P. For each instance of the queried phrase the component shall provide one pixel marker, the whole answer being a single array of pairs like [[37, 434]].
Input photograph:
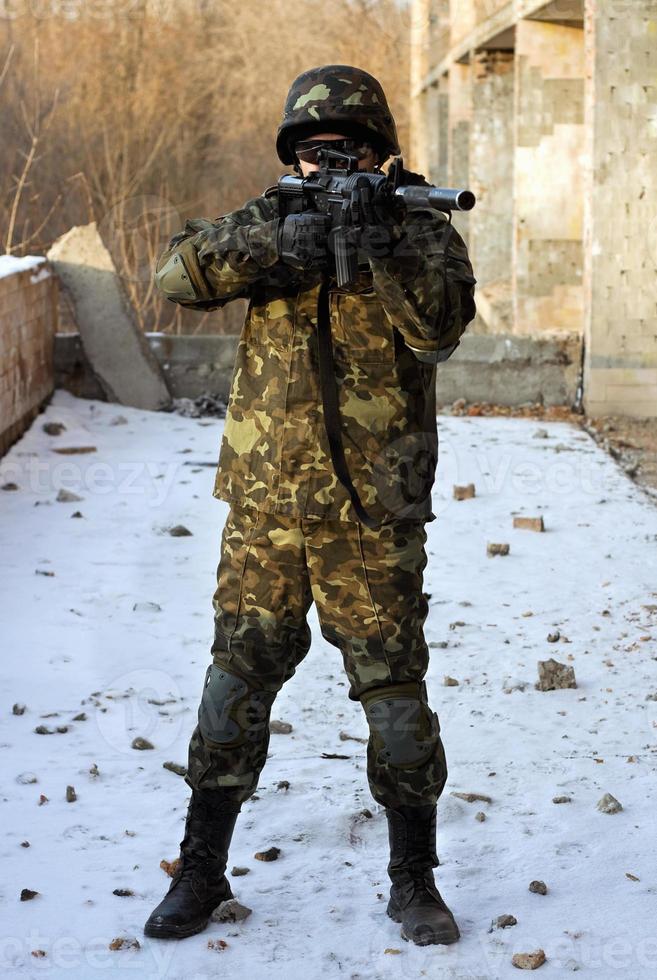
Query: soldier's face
[[367, 163]]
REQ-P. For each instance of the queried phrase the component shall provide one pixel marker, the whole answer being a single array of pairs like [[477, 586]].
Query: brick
[[493, 548], [529, 523], [463, 493]]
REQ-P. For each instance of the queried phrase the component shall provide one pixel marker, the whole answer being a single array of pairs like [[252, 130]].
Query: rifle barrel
[[441, 198]]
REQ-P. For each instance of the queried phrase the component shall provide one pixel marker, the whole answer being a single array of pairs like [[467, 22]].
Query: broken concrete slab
[[118, 352]]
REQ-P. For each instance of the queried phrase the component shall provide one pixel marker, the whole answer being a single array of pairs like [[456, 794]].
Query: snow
[[319, 911], [9, 264], [43, 273]]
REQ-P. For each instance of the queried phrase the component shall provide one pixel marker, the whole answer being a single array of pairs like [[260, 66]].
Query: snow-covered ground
[[108, 614]]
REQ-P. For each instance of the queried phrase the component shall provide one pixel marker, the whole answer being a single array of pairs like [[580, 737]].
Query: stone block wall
[[551, 105], [549, 178], [28, 323], [620, 370]]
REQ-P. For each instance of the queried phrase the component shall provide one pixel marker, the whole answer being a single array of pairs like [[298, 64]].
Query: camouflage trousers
[[367, 587]]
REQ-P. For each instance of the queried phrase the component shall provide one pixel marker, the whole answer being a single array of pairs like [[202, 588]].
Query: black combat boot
[[199, 883], [414, 899]]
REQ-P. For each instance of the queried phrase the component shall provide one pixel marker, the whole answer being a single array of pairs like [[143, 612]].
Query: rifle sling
[[329, 389]]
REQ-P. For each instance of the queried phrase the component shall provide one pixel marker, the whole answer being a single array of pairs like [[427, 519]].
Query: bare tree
[[114, 114], [37, 119]]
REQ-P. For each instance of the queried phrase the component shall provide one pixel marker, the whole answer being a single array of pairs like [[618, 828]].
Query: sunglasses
[[308, 150]]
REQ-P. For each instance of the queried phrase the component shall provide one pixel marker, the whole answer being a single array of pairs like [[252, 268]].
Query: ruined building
[[548, 112]]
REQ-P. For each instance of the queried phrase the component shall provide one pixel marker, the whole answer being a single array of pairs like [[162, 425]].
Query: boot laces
[[195, 853], [413, 844]]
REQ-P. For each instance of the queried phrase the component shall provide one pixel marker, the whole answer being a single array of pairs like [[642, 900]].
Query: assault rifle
[[352, 198]]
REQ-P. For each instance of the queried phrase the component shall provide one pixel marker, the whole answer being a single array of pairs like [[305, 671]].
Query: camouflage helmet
[[339, 94]]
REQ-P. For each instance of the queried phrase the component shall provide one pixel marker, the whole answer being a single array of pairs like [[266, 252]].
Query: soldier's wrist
[[262, 241]]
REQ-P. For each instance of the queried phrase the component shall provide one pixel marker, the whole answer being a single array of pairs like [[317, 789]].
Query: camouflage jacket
[[274, 452]]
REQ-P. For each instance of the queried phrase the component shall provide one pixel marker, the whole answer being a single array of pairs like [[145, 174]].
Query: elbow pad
[[179, 276]]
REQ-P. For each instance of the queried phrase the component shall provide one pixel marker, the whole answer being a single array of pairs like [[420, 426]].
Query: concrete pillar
[[427, 152], [620, 372], [459, 124], [440, 174], [459, 87], [549, 178], [432, 131], [436, 132], [417, 153], [491, 168]]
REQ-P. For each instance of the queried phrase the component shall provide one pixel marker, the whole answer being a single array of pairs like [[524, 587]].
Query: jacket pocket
[[270, 323], [360, 328]]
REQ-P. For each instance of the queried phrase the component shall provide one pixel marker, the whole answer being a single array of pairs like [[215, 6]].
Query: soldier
[[293, 533]]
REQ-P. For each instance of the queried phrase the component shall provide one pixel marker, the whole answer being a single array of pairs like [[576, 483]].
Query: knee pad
[[231, 711], [404, 730]]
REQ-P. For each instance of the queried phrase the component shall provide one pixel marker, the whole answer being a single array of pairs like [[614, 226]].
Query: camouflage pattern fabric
[[367, 587], [341, 94], [274, 452]]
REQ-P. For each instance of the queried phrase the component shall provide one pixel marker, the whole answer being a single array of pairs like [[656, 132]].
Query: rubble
[[553, 676]]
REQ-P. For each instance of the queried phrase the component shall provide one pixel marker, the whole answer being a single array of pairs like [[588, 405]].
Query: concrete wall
[[507, 370], [463, 20], [439, 33], [504, 369], [28, 322], [192, 366], [621, 269]]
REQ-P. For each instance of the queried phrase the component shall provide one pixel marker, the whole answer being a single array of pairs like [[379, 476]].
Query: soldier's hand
[[303, 240], [381, 235]]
